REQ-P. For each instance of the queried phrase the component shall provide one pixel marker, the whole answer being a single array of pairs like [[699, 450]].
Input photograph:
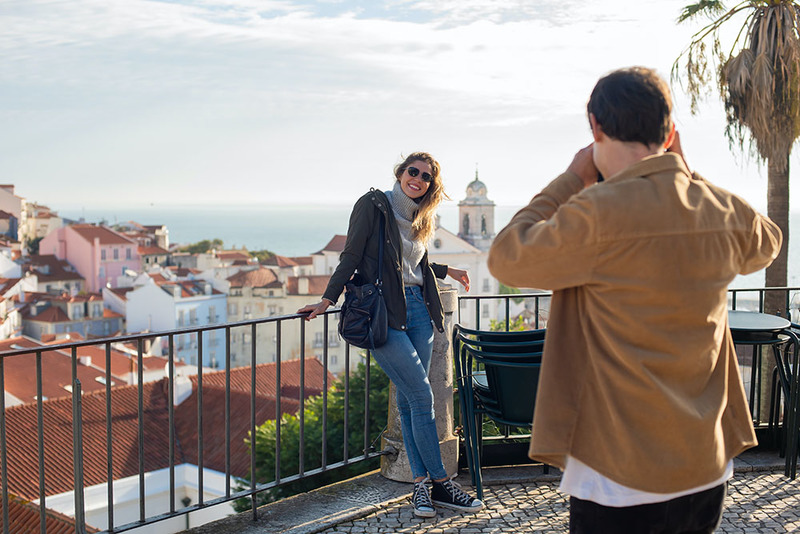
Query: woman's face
[[416, 179]]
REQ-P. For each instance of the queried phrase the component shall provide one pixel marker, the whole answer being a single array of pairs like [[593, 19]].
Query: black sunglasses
[[413, 172]]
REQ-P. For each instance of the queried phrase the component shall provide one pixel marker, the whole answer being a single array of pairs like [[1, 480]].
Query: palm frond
[[758, 76], [709, 8]]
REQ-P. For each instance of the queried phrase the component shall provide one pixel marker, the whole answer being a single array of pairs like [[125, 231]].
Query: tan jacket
[[639, 377]]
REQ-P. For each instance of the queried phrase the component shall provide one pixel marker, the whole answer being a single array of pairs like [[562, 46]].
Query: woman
[[414, 308]]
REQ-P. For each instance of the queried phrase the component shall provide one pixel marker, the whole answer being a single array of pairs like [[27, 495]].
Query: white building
[[170, 305]]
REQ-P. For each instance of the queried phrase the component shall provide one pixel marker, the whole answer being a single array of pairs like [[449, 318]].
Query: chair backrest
[[512, 385], [511, 361]]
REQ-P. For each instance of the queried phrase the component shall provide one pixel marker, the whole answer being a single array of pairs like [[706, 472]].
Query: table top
[[745, 321]]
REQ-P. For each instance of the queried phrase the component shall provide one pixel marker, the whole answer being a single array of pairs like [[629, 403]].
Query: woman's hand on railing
[[315, 309], [459, 275]]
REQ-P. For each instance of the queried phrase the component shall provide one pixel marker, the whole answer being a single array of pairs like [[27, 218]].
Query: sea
[[302, 230]]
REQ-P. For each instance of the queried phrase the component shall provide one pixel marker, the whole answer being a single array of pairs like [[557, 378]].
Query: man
[[640, 400]]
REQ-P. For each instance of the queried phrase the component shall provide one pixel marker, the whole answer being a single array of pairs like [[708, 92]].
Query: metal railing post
[[77, 456]]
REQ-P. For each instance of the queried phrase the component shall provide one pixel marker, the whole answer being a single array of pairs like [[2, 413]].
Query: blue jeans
[[406, 359]]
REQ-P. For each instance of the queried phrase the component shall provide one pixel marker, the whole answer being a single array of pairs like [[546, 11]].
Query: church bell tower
[[476, 216]]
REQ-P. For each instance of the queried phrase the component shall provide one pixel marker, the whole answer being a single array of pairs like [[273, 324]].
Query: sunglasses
[[414, 172]]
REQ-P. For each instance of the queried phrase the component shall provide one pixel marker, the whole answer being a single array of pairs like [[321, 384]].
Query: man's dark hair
[[632, 104]]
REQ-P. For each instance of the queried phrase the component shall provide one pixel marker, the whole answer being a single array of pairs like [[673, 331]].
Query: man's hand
[[583, 166]]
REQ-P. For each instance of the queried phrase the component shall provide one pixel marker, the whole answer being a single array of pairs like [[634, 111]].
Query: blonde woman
[[414, 309]]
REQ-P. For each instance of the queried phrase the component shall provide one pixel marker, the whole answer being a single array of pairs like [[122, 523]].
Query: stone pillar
[[396, 467]]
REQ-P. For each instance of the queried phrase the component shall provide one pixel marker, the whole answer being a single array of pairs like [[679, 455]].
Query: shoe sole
[[457, 507], [424, 513]]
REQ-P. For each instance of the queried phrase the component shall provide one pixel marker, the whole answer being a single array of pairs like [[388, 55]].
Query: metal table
[[761, 329]]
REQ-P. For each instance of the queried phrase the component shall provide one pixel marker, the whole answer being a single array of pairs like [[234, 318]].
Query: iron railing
[[751, 299], [537, 306], [280, 479]]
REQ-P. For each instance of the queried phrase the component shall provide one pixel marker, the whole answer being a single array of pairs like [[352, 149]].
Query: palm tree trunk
[[775, 302], [778, 211]]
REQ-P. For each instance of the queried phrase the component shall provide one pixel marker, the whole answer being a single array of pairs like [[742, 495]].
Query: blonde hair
[[424, 224]]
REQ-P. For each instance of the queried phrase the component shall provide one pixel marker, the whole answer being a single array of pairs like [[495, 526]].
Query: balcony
[[173, 452]]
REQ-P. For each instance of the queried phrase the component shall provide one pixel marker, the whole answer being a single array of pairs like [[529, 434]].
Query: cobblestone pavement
[[757, 502]]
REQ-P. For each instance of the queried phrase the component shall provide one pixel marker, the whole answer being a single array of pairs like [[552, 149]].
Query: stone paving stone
[[757, 502]]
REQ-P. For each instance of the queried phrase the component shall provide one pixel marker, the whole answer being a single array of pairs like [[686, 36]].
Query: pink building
[[98, 253]]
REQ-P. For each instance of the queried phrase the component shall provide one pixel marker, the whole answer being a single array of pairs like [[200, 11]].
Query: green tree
[[203, 246], [266, 437], [262, 255], [507, 290], [758, 79], [33, 246], [500, 326]]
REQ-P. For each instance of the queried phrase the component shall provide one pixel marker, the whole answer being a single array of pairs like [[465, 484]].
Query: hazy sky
[[133, 102]]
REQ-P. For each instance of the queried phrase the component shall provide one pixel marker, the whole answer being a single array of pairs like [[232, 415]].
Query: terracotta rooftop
[[303, 260], [279, 261], [23, 516], [316, 284], [48, 268], [51, 314], [107, 236], [266, 378], [152, 251], [22, 424], [20, 372], [121, 292], [261, 277], [23, 444], [336, 244], [232, 255], [189, 288]]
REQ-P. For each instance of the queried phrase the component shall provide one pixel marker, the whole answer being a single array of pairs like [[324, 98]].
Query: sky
[[293, 102]]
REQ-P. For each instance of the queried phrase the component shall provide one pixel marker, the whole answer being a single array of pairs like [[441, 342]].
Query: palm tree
[[758, 79]]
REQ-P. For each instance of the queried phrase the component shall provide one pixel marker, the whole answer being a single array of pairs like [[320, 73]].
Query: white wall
[[126, 500], [150, 308]]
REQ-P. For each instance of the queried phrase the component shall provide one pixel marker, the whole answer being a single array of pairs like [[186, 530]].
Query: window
[[77, 312], [212, 314], [485, 311], [233, 308], [193, 316], [103, 254], [272, 310], [116, 253], [128, 256], [334, 359], [180, 317], [318, 339], [97, 310], [485, 285]]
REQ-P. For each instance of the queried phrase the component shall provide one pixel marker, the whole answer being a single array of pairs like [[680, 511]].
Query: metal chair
[[497, 375]]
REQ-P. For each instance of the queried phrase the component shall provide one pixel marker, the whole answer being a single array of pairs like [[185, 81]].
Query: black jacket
[[361, 250]]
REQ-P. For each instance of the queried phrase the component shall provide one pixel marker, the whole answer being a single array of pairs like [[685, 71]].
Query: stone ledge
[[316, 510]]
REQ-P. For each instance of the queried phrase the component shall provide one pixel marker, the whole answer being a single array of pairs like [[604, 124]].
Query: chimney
[[302, 286], [176, 291], [183, 389], [207, 288]]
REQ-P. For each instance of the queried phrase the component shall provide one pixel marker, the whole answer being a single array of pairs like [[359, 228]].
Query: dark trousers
[[696, 513]]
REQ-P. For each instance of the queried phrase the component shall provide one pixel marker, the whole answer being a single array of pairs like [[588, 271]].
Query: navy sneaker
[[421, 499], [450, 495]]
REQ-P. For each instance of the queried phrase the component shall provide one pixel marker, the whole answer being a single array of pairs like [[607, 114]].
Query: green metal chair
[[497, 377]]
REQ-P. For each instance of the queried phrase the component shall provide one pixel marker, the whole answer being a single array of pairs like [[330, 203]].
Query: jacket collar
[[667, 162]]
